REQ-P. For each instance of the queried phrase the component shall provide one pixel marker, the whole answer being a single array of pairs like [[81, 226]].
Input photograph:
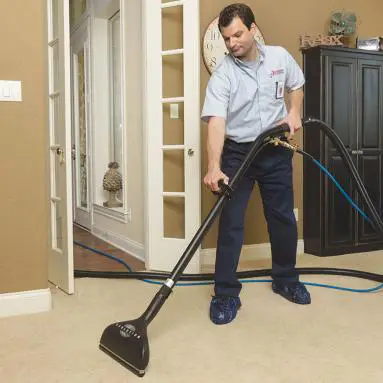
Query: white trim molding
[[118, 214], [134, 249], [25, 302], [249, 253]]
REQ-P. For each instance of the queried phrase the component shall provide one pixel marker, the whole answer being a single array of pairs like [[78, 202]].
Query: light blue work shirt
[[249, 95]]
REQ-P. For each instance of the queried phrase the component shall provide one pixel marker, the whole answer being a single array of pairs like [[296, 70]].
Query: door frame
[[60, 260]]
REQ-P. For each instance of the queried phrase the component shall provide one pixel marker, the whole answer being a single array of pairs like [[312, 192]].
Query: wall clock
[[214, 48]]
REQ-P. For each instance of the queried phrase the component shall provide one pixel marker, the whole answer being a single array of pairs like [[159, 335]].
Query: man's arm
[[294, 84], [296, 101], [295, 107], [215, 113], [214, 146], [215, 139]]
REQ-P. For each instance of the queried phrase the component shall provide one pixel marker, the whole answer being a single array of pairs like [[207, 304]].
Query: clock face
[[214, 48]]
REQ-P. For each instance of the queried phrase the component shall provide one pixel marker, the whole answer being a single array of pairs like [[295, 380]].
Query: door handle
[[60, 153]]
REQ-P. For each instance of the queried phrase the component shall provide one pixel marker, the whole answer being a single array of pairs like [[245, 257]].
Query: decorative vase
[[112, 182]]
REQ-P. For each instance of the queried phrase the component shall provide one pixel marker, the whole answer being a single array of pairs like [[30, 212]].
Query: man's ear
[[253, 28]]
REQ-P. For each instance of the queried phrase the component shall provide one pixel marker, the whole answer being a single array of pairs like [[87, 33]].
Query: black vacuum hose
[[375, 221], [240, 275]]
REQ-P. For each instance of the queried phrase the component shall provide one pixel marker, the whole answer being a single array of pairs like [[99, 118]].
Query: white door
[[172, 155], [61, 239], [80, 126]]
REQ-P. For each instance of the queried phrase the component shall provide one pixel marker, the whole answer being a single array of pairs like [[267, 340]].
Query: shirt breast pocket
[[243, 95]]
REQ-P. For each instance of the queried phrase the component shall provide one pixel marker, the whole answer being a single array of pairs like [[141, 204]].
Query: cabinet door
[[370, 141], [340, 113]]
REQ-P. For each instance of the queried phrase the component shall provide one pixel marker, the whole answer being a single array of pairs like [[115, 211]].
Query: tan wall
[[23, 137], [282, 22]]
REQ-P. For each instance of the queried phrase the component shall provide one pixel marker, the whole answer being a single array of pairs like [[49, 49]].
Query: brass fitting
[[278, 141]]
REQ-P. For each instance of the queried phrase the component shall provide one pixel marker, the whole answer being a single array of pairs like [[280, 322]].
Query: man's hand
[[213, 176], [293, 120]]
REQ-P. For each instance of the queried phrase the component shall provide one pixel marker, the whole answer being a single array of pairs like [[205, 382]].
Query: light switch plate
[[10, 91], [174, 111]]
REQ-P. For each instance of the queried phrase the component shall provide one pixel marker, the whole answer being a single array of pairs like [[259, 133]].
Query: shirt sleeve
[[217, 97], [295, 78]]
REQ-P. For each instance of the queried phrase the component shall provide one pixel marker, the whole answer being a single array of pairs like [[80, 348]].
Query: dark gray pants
[[272, 169]]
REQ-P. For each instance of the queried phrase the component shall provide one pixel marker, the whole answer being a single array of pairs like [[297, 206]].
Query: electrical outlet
[[296, 214]]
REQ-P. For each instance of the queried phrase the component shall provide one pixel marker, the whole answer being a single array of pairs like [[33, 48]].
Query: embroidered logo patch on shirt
[[276, 72]]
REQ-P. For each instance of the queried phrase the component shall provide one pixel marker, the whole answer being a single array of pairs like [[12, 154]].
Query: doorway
[[100, 133], [158, 151]]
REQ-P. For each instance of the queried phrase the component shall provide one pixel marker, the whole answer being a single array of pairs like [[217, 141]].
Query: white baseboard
[[248, 253], [25, 302], [123, 243]]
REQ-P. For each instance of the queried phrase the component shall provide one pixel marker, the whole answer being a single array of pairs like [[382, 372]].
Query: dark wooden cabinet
[[344, 88]]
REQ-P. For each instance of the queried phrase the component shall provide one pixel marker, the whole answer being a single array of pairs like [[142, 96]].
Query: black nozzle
[[127, 343]]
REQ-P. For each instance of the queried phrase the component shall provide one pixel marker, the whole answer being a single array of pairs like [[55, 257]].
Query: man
[[244, 97]]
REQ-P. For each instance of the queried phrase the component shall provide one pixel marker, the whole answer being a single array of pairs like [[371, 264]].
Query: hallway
[[88, 260]]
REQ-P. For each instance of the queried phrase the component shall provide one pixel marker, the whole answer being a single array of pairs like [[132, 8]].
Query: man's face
[[238, 39]]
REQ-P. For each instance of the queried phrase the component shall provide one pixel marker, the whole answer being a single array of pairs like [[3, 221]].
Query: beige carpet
[[336, 339]]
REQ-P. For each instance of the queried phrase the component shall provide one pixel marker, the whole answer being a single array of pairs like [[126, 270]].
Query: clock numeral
[[214, 34], [209, 46], [213, 62]]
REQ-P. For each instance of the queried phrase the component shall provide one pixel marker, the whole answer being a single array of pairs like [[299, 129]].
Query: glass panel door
[[172, 131]]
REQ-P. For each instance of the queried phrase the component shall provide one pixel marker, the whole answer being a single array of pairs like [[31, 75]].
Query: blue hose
[[380, 286], [104, 254], [348, 198], [243, 280]]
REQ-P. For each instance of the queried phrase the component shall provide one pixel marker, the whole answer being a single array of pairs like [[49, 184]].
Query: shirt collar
[[260, 57]]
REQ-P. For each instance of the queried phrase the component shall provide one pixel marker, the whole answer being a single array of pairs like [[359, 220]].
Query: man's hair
[[232, 11]]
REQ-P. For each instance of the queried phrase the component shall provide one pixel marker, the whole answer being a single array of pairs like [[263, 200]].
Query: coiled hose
[[264, 139]]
